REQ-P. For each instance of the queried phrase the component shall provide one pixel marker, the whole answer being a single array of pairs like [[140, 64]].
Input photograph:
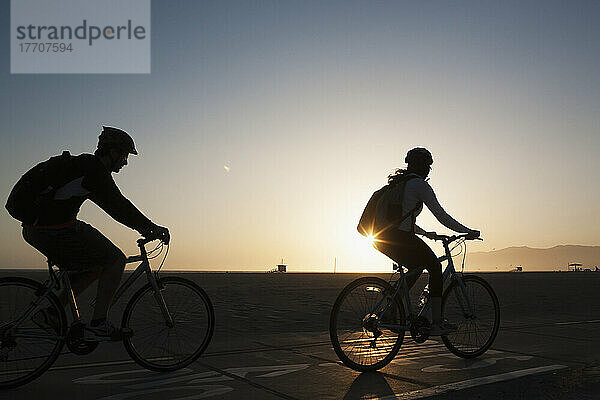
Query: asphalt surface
[[271, 342]]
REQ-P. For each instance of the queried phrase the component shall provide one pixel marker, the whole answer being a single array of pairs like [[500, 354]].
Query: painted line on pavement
[[436, 390], [513, 325], [246, 380], [98, 364], [593, 321]]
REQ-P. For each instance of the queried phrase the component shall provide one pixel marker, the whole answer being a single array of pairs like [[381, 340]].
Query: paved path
[[304, 366]]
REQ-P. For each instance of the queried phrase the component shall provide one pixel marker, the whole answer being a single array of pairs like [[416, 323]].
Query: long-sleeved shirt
[[417, 191], [86, 177]]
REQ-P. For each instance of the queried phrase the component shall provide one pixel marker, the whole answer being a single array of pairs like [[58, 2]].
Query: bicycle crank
[[419, 329], [76, 343]]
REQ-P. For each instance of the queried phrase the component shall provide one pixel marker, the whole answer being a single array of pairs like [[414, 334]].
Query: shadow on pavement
[[367, 385]]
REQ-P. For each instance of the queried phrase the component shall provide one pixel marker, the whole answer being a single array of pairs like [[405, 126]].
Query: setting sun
[[371, 239]]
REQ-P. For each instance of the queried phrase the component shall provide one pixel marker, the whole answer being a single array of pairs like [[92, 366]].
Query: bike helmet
[[419, 155], [116, 138]]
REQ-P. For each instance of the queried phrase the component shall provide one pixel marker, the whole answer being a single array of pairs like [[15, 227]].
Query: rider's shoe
[[105, 331], [47, 319], [442, 329]]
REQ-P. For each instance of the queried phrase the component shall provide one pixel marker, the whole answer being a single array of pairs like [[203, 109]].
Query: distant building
[[517, 269]]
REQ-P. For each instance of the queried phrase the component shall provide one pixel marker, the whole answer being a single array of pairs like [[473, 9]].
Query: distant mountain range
[[532, 259]]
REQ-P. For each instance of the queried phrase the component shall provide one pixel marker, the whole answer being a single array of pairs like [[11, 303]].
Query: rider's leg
[[80, 280], [108, 284], [402, 248], [436, 310], [409, 250], [80, 247], [435, 290], [71, 248], [423, 255], [439, 326]]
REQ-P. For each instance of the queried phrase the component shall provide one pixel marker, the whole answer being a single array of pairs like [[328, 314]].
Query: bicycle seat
[[52, 263], [53, 276]]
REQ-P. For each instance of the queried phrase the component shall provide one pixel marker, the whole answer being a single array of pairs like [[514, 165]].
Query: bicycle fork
[[464, 301], [160, 300]]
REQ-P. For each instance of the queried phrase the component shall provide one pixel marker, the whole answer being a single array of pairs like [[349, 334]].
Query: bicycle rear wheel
[[354, 324], [476, 332], [27, 348], [157, 346]]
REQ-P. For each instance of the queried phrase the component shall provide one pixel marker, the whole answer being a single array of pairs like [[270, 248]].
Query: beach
[[256, 304]]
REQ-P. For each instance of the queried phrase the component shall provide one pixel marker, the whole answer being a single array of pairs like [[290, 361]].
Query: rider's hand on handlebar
[[474, 234], [159, 232]]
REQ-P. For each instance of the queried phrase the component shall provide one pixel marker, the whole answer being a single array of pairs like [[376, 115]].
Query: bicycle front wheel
[[355, 328], [159, 345], [29, 342], [476, 312]]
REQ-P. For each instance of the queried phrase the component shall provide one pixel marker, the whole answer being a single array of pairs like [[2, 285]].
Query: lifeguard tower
[[280, 267], [574, 267]]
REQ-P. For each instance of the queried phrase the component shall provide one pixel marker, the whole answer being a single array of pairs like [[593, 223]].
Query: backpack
[[36, 187], [384, 209]]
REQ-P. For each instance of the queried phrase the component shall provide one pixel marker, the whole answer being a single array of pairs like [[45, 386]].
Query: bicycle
[[172, 320], [370, 315]]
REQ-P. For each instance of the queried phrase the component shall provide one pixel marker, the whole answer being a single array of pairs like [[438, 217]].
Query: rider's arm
[[431, 201], [106, 194]]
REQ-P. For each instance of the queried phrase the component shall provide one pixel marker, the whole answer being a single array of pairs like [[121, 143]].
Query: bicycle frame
[[401, 284], [144, 267], [63, 276]]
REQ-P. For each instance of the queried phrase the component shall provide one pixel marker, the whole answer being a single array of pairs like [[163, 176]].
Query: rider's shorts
[[76, 247]]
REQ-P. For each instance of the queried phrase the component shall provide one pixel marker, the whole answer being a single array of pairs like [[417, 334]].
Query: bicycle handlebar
[[142, 241], [452, 238]]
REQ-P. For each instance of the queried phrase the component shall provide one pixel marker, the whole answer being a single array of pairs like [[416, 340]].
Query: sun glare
[[371, 239]]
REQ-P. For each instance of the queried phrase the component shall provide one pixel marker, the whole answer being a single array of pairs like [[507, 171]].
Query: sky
[[264, 127]]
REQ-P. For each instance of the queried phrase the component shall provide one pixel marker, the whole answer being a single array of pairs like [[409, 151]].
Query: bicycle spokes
[[28, 343], [166, 344], [477, 329], [363, 324]]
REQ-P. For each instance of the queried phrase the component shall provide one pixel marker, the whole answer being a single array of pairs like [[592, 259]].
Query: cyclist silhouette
[[47, 200], [396, 207]]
